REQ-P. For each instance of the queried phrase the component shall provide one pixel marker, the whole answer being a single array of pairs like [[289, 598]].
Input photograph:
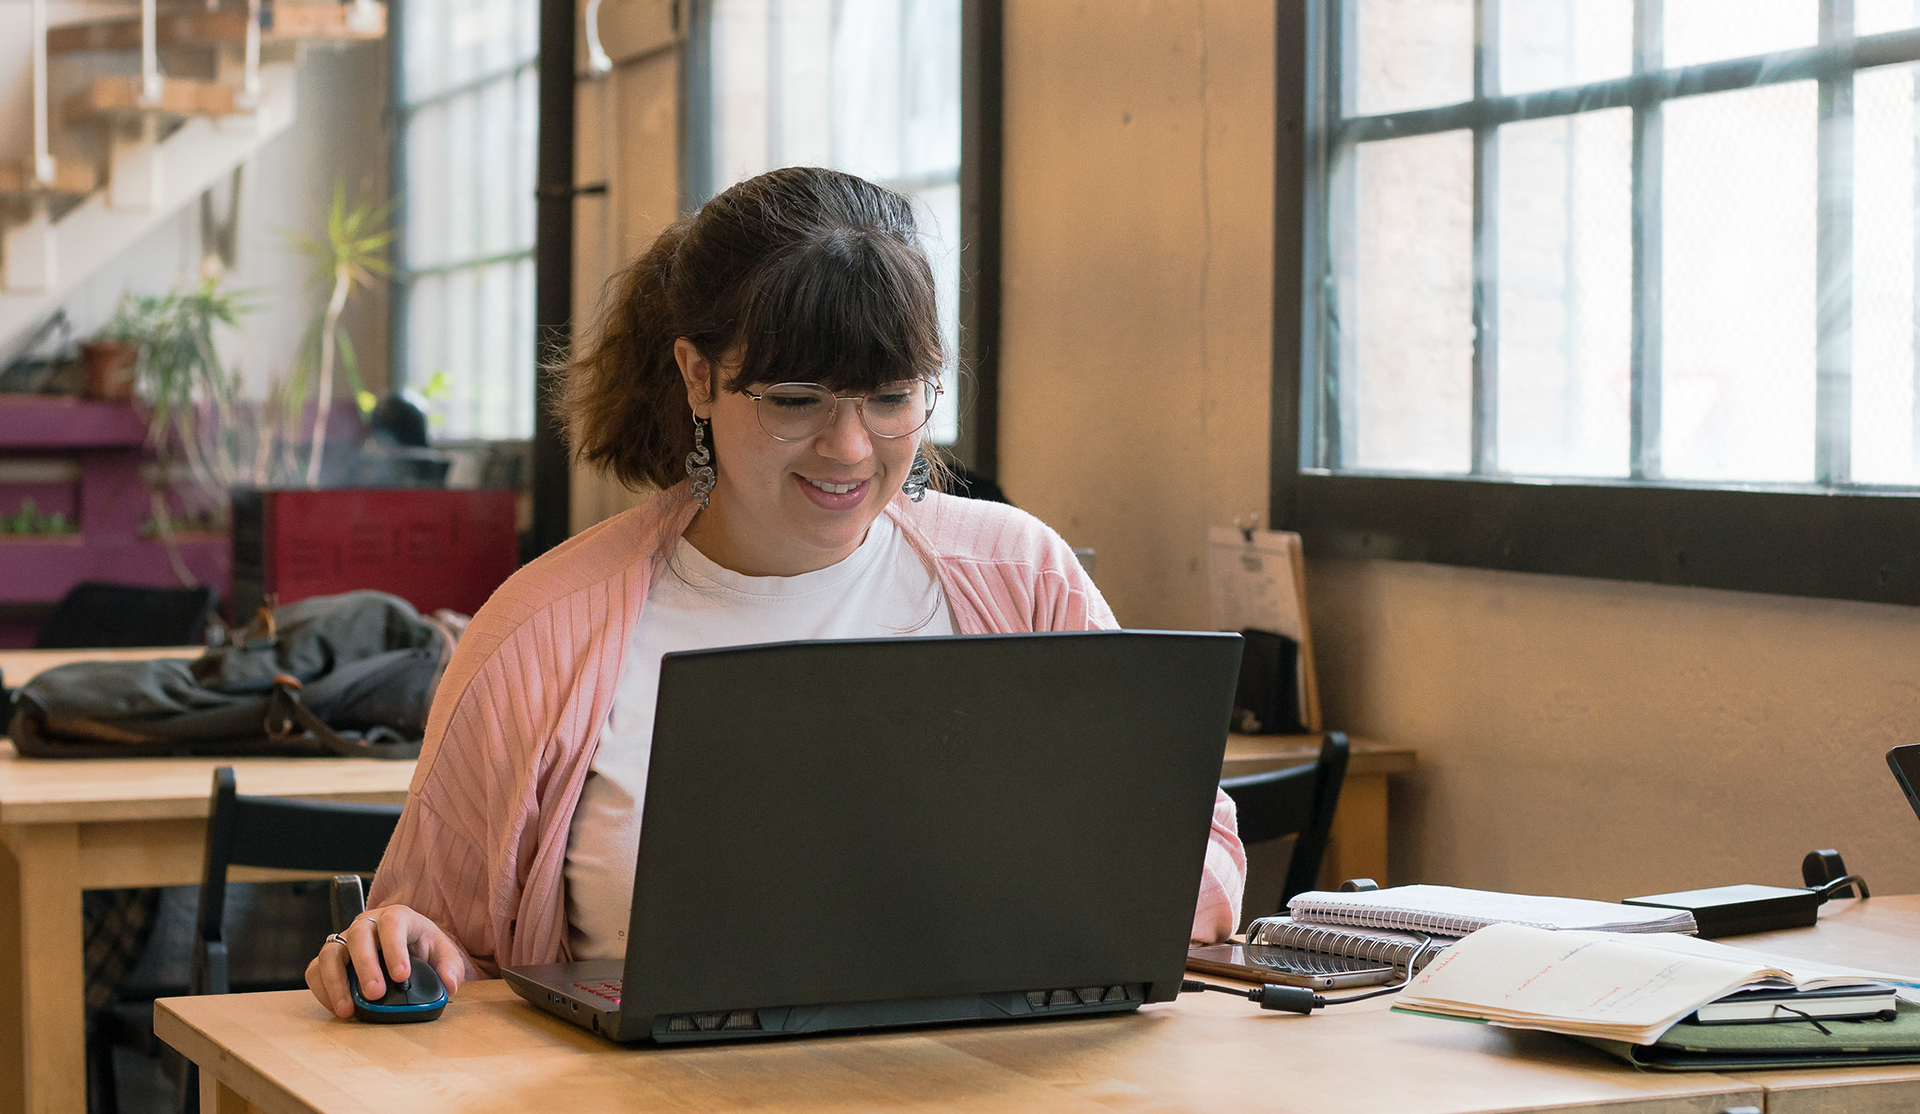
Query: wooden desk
[[1205, 1053], [68, 826], [1357, 847]]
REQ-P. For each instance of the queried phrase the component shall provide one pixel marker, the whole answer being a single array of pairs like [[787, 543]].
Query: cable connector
[[1269, 996]]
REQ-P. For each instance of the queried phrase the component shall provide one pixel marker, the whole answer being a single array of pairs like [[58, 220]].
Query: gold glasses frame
[[859, 401]]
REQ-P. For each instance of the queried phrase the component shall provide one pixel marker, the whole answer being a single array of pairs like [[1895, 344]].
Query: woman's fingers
[[394, 931], [447, 960], [327, 978]]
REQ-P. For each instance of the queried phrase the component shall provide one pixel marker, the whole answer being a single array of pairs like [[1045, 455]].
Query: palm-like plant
[[352, 255]]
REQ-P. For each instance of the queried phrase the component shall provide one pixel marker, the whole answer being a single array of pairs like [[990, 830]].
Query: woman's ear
[[698, 373]]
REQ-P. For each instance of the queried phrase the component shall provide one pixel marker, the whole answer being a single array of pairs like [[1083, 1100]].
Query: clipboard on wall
[[1256, 579]]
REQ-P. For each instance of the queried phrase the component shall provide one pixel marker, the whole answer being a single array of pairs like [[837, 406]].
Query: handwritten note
[[1255, 584]]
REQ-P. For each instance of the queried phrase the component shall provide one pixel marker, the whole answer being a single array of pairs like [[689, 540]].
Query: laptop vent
[[1079, 996], [721, 1021]]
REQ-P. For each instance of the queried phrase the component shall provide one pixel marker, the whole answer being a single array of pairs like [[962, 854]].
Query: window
[[466, 101], [871, 87], [1610, 287]]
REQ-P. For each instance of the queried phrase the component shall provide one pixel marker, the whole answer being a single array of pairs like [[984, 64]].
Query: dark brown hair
[[808, 275]]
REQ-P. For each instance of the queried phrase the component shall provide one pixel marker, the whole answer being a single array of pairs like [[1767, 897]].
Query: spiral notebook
[[1376, 944], [1451, 911]]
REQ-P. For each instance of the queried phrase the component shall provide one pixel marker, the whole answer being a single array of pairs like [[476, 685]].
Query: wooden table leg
[[1357, 846], [48, 958], [218, 1098]]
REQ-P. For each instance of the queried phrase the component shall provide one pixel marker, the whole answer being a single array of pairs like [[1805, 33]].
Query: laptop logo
[[953, 737]]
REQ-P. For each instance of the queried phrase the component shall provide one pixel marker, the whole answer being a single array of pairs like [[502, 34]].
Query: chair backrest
[[282, 833], [1295, 802], [96, 614]]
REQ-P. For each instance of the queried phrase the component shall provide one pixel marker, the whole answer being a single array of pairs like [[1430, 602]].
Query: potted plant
[[111, 357]]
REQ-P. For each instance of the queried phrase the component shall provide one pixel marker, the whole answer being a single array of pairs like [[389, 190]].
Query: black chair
[[1296, 802], [278, 833], [95, 614]]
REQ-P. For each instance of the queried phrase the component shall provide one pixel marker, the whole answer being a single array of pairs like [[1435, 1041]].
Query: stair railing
[[150, 83], [250, 83], [43, 168]]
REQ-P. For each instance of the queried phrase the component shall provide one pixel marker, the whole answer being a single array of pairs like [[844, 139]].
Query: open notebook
[[1602, 984]]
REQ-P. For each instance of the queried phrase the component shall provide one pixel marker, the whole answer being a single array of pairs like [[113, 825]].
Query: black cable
[[1300, 999], [1827, 891]]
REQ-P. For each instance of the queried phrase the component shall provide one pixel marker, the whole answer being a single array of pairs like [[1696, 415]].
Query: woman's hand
[[395, 933]]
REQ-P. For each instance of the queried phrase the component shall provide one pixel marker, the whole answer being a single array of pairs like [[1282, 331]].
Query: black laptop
[[855, 834]]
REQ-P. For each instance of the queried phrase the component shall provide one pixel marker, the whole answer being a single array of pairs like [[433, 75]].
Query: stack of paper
[[1600, 984]]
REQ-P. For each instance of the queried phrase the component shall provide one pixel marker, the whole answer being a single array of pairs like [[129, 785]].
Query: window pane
[[871, 87], [1709, 30], [1737, 392], [1565, 299], [938, 211], [428, 177], [1409, 385], [742, 90], [1886, 121], [1871, 17], [1411, 54], [1551, 45]]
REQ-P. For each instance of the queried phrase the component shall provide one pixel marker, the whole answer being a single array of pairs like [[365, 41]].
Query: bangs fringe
[[849, 310]]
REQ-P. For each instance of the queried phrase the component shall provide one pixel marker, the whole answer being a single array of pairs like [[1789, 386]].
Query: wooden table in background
[[1357, 847], [17, 667], [68, 826], [1205, 1053]]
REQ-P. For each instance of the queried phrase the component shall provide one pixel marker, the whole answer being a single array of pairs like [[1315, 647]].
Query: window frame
[[977, 381], [1843, 541]]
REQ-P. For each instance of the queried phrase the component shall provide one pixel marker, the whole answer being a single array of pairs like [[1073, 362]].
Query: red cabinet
[[432, 547]]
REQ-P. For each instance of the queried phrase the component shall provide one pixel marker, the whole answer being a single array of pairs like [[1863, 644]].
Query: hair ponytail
[[624, 397]]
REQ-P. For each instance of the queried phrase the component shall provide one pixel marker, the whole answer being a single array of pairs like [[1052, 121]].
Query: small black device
[[1265, 963], [1738, 910], [420, 997]]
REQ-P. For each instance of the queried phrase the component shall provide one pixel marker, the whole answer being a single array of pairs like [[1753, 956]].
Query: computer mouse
[[420, 998]]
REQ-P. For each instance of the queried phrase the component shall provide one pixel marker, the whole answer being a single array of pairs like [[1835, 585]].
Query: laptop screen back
[[861, 821]]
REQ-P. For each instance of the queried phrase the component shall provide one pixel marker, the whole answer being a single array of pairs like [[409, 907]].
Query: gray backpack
[[349, 675]]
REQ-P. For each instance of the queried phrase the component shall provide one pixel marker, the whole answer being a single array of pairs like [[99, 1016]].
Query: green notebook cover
[[1689, 1046]]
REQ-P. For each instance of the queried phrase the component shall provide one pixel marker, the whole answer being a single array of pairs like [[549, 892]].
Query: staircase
[[159, 140]]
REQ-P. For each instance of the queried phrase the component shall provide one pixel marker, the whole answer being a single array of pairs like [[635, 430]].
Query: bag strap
[[285, 712]]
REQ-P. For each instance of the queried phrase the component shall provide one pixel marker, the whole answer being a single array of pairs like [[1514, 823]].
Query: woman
[[770, 363]]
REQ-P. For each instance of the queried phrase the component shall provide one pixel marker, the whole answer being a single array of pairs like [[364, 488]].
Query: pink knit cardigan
[[482, 845]]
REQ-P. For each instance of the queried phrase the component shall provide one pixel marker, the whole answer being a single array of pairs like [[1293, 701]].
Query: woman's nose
[[845, 437]]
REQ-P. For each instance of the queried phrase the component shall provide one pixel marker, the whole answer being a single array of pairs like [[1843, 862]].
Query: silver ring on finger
[[336, 938]]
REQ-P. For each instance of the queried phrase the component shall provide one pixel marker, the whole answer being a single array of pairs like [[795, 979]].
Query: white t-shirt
[[882, 589]]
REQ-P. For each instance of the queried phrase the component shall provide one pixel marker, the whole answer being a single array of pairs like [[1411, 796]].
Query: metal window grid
[[1327, 413], [405, 110]]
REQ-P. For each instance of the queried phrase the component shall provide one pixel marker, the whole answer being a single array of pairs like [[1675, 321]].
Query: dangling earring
[[700, 464], [917, 477]]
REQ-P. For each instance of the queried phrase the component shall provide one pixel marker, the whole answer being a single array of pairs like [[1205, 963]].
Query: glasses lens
[[897, 409], [794, 411]]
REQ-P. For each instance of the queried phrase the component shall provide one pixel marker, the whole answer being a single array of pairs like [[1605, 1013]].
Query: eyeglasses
[[797, 411]]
